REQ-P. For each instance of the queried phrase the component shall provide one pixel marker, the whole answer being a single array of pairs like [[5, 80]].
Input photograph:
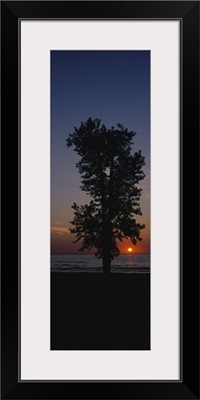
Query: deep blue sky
[[111, 85]]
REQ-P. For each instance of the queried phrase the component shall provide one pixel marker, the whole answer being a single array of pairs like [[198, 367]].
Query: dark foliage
[[110, 175]]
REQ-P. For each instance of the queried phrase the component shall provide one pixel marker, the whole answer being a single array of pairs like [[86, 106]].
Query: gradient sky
[[113, 86]]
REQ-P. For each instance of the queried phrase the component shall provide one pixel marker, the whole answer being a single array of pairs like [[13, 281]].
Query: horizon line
[[92, 254]]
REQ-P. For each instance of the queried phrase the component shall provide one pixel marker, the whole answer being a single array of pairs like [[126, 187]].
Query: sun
[[130, 250]]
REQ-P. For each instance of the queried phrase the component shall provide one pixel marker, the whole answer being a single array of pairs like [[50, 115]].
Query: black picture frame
[[188, 386]]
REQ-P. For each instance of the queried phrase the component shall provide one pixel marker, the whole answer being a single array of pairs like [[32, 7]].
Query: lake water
[[125, 263]]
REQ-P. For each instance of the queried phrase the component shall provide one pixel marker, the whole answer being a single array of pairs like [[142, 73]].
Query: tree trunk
[[107, 225], [106, 264], [105, 246], [110, 212]]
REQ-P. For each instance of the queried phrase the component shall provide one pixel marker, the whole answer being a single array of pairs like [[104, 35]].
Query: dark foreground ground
[[92, 312]]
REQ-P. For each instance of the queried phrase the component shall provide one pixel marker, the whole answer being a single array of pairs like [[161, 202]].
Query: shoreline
[[130, 263]]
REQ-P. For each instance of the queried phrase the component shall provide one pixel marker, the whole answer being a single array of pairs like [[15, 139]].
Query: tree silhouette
[[109, 175]]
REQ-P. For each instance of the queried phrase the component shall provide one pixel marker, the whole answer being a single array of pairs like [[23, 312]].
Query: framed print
[[100, 115]]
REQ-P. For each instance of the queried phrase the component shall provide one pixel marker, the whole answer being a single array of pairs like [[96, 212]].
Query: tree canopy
[[110, 175]]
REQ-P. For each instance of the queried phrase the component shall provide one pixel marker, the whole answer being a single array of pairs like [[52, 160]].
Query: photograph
[[100, 200]]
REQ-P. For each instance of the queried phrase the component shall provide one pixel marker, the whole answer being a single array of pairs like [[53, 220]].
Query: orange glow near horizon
[[139, 248], [61, 243]]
